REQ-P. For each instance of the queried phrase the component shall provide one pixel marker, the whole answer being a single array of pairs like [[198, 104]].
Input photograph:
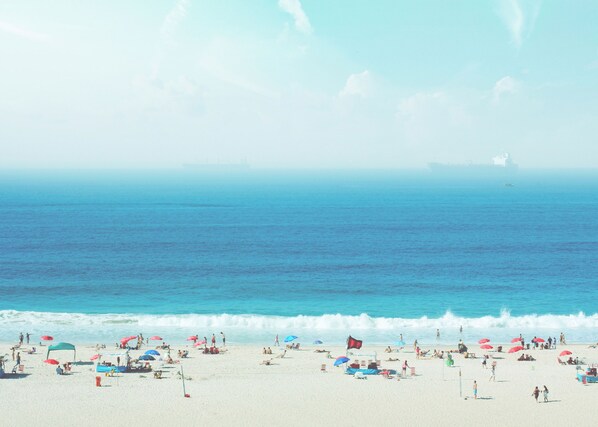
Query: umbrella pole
[[183, 378]]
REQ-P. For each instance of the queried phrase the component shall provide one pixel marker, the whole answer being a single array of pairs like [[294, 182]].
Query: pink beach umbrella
[[565, 353], [486, 347], [125, 340], [202, 342], [192, 338], [52, 362], [538, 340], [514, 340], [156, 338], [47, 338], [94, 357], [515, 349], [483, 341]]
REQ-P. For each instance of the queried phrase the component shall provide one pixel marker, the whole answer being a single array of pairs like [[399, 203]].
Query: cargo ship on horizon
[[501, 164]]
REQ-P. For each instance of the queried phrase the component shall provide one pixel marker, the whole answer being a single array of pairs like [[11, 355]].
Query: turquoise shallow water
[[112, 252]]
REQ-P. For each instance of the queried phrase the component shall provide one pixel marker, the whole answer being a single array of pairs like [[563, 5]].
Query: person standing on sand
[[405, 366], [21, 338], [223, 339], [475, 390], [493, 374], [18, 360], [276, 343], [27, 335], [213, 340], [545, 392], [536, 393]]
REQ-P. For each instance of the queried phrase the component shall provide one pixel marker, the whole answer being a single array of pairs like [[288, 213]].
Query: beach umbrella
[[192, 338], [318, 342], [486, 347], [515, 349], [94, 357], [565, 353], [156, 338], [290, 338], [147, 357], [483, 341], [52, 362], [516, 340], [127, 339], [340, 360], [47, 338], [401, 343], [202, 342], [538, 340], [152, 352]]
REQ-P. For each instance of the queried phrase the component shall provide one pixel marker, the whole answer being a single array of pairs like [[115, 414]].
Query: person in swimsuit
[[536, 393], [475, 390]]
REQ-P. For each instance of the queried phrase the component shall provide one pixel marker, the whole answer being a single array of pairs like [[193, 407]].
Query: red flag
[[353, 343]]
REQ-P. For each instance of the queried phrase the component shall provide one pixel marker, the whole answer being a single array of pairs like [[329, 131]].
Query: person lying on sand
[[321, 350], [266, 362], [390, 359]]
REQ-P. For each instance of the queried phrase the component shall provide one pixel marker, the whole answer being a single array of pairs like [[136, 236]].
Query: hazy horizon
[[297, 84]]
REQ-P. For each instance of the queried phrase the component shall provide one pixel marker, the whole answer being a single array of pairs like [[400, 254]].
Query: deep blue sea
[[320, 254]]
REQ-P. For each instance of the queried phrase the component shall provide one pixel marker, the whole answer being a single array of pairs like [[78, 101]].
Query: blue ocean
[[93, 256]]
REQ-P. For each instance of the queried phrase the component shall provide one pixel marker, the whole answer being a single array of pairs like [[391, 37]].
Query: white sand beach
[[235, 388]]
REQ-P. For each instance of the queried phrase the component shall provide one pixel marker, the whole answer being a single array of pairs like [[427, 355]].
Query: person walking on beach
[[405, 366], [276, 343], [536, 394], [484, 362], [493, 374], [223, 339], [475, 390], [213, 340], [18, 360], [545, 393], [21, 338], [27, 335]]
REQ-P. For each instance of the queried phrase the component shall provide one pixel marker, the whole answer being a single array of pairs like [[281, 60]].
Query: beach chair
[[362, 364], [360, 376], [560, 361], [323, 367], [412, 371]]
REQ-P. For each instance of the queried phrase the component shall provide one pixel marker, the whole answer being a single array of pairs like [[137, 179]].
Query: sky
[[298, 83]]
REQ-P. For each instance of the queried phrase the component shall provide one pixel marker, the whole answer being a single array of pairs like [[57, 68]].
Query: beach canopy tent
[[62, 346]]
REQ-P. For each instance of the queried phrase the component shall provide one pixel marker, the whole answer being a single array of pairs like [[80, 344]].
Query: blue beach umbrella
[[401, 343], [290, 338], [318, 342], [147, 357], [152, 352], [341, 360]]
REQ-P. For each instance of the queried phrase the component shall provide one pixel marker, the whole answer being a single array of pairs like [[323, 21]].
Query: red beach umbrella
[[156, 338], [127, 339], [486, 347], [515, 349], [192, 338], [565, 353], [47, 338], [538, 340], [52, 362], [516, 339], [483, 341]]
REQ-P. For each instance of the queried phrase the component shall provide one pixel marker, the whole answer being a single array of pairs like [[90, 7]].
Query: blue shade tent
[[61, 346], [147, 357], [152, 352], [318, 342], [290, 338]]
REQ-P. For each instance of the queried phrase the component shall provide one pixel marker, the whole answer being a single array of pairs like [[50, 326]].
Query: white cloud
[[294, 8], [15, 30], [357, 85], [503, 86], [171, 22], [519, 20]]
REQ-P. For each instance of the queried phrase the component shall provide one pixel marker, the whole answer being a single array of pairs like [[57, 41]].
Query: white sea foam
[[335, 327]]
